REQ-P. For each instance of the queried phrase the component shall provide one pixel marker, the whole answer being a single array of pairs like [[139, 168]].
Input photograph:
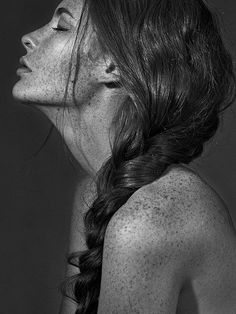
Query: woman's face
[[48, 55]]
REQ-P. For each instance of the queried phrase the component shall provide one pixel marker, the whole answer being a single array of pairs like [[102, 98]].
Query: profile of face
[[49, 51]]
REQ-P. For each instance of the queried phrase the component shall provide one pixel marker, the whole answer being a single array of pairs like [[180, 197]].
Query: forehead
[[74, 6]]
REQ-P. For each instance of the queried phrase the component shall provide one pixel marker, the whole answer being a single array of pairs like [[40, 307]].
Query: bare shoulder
[[181, 208], [180, 197], [168, 232], [192, 197], [197, 211]]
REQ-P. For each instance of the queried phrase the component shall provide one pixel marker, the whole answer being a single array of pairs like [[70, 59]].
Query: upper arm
[[143, 261]]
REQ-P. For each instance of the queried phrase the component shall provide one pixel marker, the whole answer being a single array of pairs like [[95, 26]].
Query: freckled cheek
[[53, 63], [85, 89], [87, 83]]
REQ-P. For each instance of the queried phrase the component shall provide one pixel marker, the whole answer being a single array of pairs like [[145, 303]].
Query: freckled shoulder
[[179, 196], [196, 211], [191, 196], [193, 200], [159, 239], [182, 206], [151, 246]]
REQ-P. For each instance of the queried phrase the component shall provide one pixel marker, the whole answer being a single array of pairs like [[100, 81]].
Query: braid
[[178, 75], [109, 200], [123, 182]]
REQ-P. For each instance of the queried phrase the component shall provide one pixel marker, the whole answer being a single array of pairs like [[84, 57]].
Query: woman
[[136, 87]]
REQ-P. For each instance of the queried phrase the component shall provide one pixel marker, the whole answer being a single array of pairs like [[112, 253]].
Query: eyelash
[[59, 29]]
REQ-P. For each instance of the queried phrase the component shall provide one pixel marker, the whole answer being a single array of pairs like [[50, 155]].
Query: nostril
[[27, 42]]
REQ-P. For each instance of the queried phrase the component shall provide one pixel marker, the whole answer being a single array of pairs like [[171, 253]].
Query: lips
[[24, 64]]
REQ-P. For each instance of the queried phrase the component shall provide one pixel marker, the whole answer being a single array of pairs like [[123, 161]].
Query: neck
[[85, 194]]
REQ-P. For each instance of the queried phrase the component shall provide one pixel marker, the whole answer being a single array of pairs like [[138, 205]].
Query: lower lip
[[23, 70]]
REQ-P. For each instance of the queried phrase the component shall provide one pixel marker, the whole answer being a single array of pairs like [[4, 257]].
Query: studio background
[[37, 189]]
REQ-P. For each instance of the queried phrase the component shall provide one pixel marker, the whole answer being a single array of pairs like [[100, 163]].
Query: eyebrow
[[61, 10]]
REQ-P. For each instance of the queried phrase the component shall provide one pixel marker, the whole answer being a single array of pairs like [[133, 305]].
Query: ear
[[111, 75]]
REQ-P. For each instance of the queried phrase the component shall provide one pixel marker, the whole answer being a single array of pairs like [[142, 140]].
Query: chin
[[22, 94], [44, 96], [30, 95]]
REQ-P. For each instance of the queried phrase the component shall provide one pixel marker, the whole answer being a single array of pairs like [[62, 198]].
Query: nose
[[28, 42]]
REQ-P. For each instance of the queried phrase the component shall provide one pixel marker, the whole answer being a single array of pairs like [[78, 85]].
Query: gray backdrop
[[37, 190]]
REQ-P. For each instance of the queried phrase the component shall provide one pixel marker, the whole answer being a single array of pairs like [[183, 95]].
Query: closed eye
[[60, 29]]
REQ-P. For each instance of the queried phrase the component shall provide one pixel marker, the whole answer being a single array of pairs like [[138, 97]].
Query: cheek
[[46, 84], [87, 84], [53, 63]]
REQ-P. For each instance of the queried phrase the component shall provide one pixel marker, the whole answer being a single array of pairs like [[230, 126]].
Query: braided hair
[[179, 77]]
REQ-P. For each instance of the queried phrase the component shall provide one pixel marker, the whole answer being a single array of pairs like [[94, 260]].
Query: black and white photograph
[[118, 157]]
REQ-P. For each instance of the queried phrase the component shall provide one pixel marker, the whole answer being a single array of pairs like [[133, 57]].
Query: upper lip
[[24, 63]]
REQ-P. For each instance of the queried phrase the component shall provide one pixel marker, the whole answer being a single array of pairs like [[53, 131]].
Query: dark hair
[[179, 77]]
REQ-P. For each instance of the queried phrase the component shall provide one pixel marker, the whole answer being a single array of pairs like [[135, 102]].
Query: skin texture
[[170, 248]]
